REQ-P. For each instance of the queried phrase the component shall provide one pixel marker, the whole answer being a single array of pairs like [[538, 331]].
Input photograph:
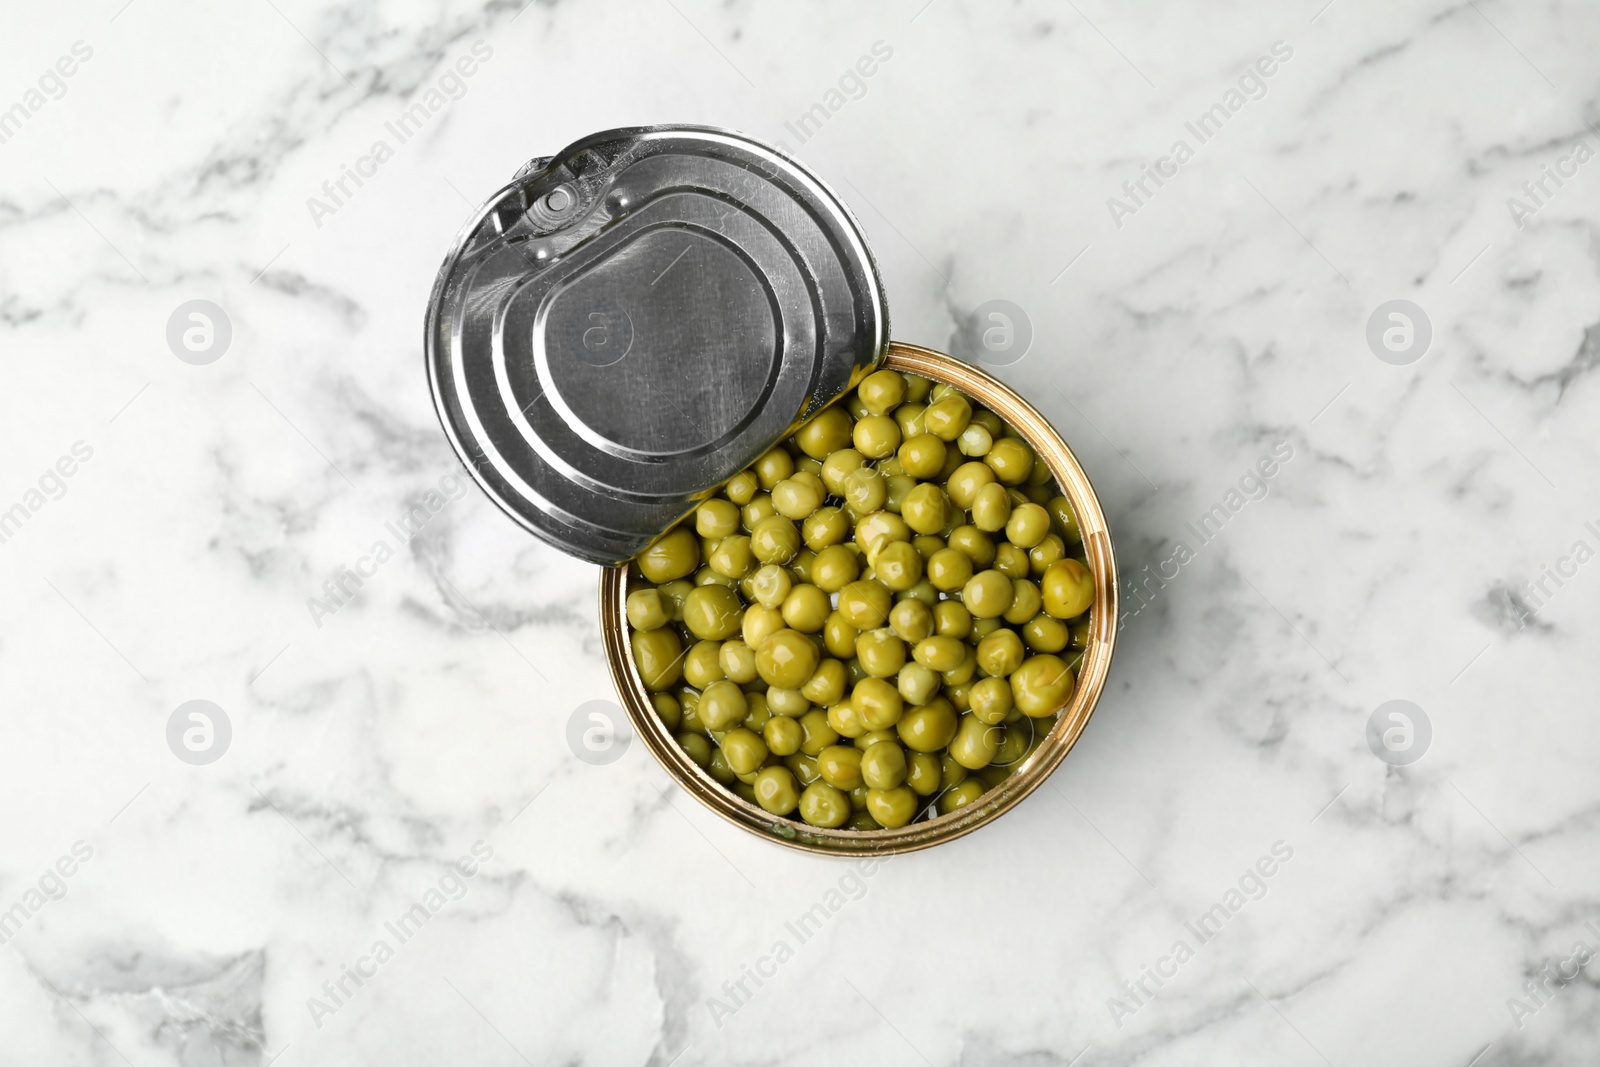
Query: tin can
[[1029, 774]]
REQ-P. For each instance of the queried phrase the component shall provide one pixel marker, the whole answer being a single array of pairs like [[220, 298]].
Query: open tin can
[[628, 324]]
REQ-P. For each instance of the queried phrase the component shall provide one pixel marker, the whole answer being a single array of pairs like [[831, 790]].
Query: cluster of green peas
[[869, 622]]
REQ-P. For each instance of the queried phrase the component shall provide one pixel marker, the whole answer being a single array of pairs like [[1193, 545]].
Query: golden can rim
[[1030, 773]]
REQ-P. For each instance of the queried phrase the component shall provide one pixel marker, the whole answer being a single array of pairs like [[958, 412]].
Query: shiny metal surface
[[632, 321]]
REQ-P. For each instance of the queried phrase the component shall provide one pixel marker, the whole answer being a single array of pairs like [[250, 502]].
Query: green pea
[[990, 700], [865, 491], [775, 539], [883, 765], [877, 436], [928, 728], [803, 767], [742, 488], [917, 388], [760, 713], [1046, 552], [759, 508], [707, 576], [786, 659], [646, 610], [824, 527], [782, 735], [879, 529], [882, 391], [789, 702], [939, 653], [975, 743], [838, 467], [1079, 632], [900, 486], [1068, 589], [839, 637], [1000, 653], [770, 585], [1011, 560], [760, 622], [951, 773], [987, 595], [951, 619], [702, 664], [1029, 524], [909, 416], [1044, 634], [776, 791], [947, 417], [843, 719], [840, 766], [925, 509], [865, 604], [1041, 686], [861, 822], [773, 468], [877, 703], [923, 591], [823, 805], [960, 796], [922, 456], [881, 652], [732, 557], [744, 749], [922, 773], [825, 434], [963, 672], [816, 733], [898, 566], [697, 747], [892, 807], [674, 556], [795, 499], [1014, 741], [965, 482], [713, 612], [659, 657], [911, 620], [716, 519], [827, 684], [1011, 460], [1026, 602], [974, 544], [806, 608], [672, 596], [668, 708], [991, 508], [858, 798], [949, 570], [1066, 520], [975, 440], [722, 706], [917, 684]]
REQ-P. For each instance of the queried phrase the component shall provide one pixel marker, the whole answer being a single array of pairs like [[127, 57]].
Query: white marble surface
[[1224, 317]]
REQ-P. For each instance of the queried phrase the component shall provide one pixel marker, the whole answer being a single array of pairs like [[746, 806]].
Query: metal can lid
[[631, 322]]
